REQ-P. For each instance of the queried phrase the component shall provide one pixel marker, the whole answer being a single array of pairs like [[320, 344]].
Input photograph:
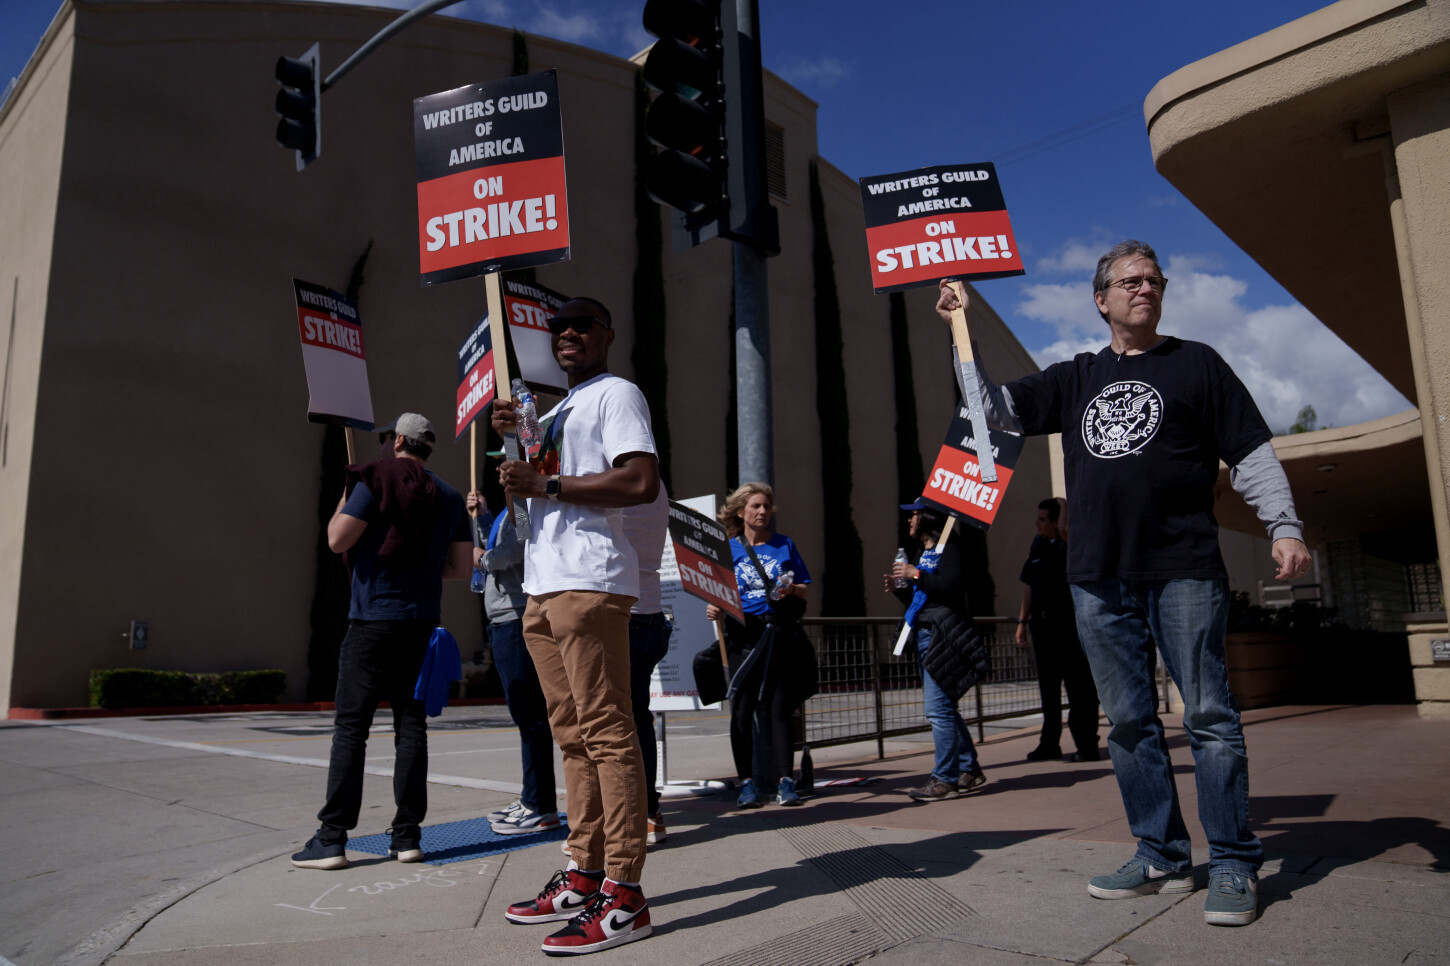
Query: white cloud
[[1076, 257], [821, 72], [1286, 357]]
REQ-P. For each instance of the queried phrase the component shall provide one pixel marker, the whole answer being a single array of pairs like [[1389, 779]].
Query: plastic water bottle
[[530, 436], [476, 584], [901, 583], [783, 583]]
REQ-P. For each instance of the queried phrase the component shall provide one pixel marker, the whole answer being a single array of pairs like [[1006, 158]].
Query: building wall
[[33, 124], [171, 443]]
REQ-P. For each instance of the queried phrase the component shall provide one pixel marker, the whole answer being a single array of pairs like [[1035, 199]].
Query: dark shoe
[[315, 855], [1078, 756], [405, 845], [749, 795], [1139, 878], [970, 781], [935, 790], [1041, 753], [564, 897], [785, 792], [616, 914], [1233, 899]]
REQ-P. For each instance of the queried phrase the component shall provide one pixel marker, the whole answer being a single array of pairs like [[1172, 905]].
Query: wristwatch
[[551, 487]]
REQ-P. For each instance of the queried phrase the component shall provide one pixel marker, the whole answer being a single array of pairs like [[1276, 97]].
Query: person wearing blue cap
[[950, 652]]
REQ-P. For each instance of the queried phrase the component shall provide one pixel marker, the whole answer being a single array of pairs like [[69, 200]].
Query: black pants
[[380, 660], [760, 728], [1060, 661]]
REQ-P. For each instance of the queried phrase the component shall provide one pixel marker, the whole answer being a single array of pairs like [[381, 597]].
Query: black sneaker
[[1043, 753], [315, 855], [407, 843]]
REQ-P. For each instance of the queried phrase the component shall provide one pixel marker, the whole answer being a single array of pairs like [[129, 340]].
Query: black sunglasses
[[579, 323]]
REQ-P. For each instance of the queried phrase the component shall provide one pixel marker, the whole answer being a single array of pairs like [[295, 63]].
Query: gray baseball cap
[[416, 428]]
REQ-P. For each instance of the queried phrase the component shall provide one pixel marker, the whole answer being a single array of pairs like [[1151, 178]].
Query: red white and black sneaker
[[566, 895], [615, 915]]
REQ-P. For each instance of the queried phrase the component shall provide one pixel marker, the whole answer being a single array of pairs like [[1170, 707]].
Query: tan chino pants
[[579, 641]]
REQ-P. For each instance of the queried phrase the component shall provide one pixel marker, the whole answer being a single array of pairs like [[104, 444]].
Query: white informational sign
[[672, 686]]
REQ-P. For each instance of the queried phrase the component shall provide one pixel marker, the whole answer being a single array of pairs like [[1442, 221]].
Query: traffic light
[[708, 120], [300, 104]]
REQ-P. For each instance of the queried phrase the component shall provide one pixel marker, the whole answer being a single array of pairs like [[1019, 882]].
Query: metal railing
[[867, 692]]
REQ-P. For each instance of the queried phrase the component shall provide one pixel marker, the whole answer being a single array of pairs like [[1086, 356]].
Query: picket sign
[[503, 387], [946, 531]]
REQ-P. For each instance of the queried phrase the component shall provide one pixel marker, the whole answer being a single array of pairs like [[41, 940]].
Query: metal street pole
[[755, 414]]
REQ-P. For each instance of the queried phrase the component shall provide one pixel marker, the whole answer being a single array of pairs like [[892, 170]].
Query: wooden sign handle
[[347, 435], [498, 332], [720, 639], [946, 531], [961, 336]]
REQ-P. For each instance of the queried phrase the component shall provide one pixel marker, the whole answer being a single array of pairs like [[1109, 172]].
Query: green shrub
[[252, 687], [147, 688]]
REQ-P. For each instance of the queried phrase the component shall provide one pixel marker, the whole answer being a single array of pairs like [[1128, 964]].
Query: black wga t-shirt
[[1142, 436]]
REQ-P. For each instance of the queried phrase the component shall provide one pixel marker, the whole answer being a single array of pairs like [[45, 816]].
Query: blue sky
[[1050, 90]]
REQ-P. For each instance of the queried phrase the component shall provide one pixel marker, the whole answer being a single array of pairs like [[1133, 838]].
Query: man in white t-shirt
[[582, 576]]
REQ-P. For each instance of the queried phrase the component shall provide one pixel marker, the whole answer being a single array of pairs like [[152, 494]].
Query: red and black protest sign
[[491, 192], [702, 551], [475, 376], [954, 483], [333, 357], [934, 223], [528, 308]]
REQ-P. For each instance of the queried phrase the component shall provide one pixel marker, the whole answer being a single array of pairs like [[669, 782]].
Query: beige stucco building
[[155, 458], [1322, 148]]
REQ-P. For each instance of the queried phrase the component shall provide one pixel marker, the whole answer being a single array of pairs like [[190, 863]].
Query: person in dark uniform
[[1047, 610]]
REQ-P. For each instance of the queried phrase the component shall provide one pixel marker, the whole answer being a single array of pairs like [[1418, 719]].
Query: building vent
[[775, 161]]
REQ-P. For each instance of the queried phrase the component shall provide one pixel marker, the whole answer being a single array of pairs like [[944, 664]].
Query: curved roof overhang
[[1348, 480], [1279, 141]]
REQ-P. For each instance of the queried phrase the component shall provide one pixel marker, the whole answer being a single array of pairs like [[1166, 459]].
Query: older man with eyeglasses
[[1144, 423]]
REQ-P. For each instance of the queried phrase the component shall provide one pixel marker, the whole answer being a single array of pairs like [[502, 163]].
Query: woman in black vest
[[950, 652]]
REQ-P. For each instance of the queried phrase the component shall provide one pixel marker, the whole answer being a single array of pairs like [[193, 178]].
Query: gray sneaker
[[1139, 878], [1233, 899], [498, 815], [970, 781], [935, 790], [525, 820]]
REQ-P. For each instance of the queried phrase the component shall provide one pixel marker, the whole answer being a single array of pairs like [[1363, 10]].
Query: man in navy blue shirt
[[402, 531]]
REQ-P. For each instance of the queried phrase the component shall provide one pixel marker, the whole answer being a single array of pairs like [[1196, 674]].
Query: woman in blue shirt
[[769, 655]]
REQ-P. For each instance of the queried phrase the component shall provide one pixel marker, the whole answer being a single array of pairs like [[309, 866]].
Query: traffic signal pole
[[755, 413]]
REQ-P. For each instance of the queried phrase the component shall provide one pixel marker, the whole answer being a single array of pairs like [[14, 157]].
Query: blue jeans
[[525, 700], [1187, 618], [379, 661], [955, 753], [649, 640]]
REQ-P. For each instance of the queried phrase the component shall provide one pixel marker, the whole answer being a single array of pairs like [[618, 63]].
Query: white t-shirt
[[577, 547], [646, 525]]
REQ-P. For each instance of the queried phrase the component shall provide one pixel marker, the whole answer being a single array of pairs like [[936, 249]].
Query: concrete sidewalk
[[1353, 804]]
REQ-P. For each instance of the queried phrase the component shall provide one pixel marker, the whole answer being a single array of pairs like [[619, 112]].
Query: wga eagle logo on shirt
[[1122, 419]]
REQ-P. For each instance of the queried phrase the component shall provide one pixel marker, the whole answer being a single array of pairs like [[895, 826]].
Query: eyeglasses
[[1133, 283], [579, 323]]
